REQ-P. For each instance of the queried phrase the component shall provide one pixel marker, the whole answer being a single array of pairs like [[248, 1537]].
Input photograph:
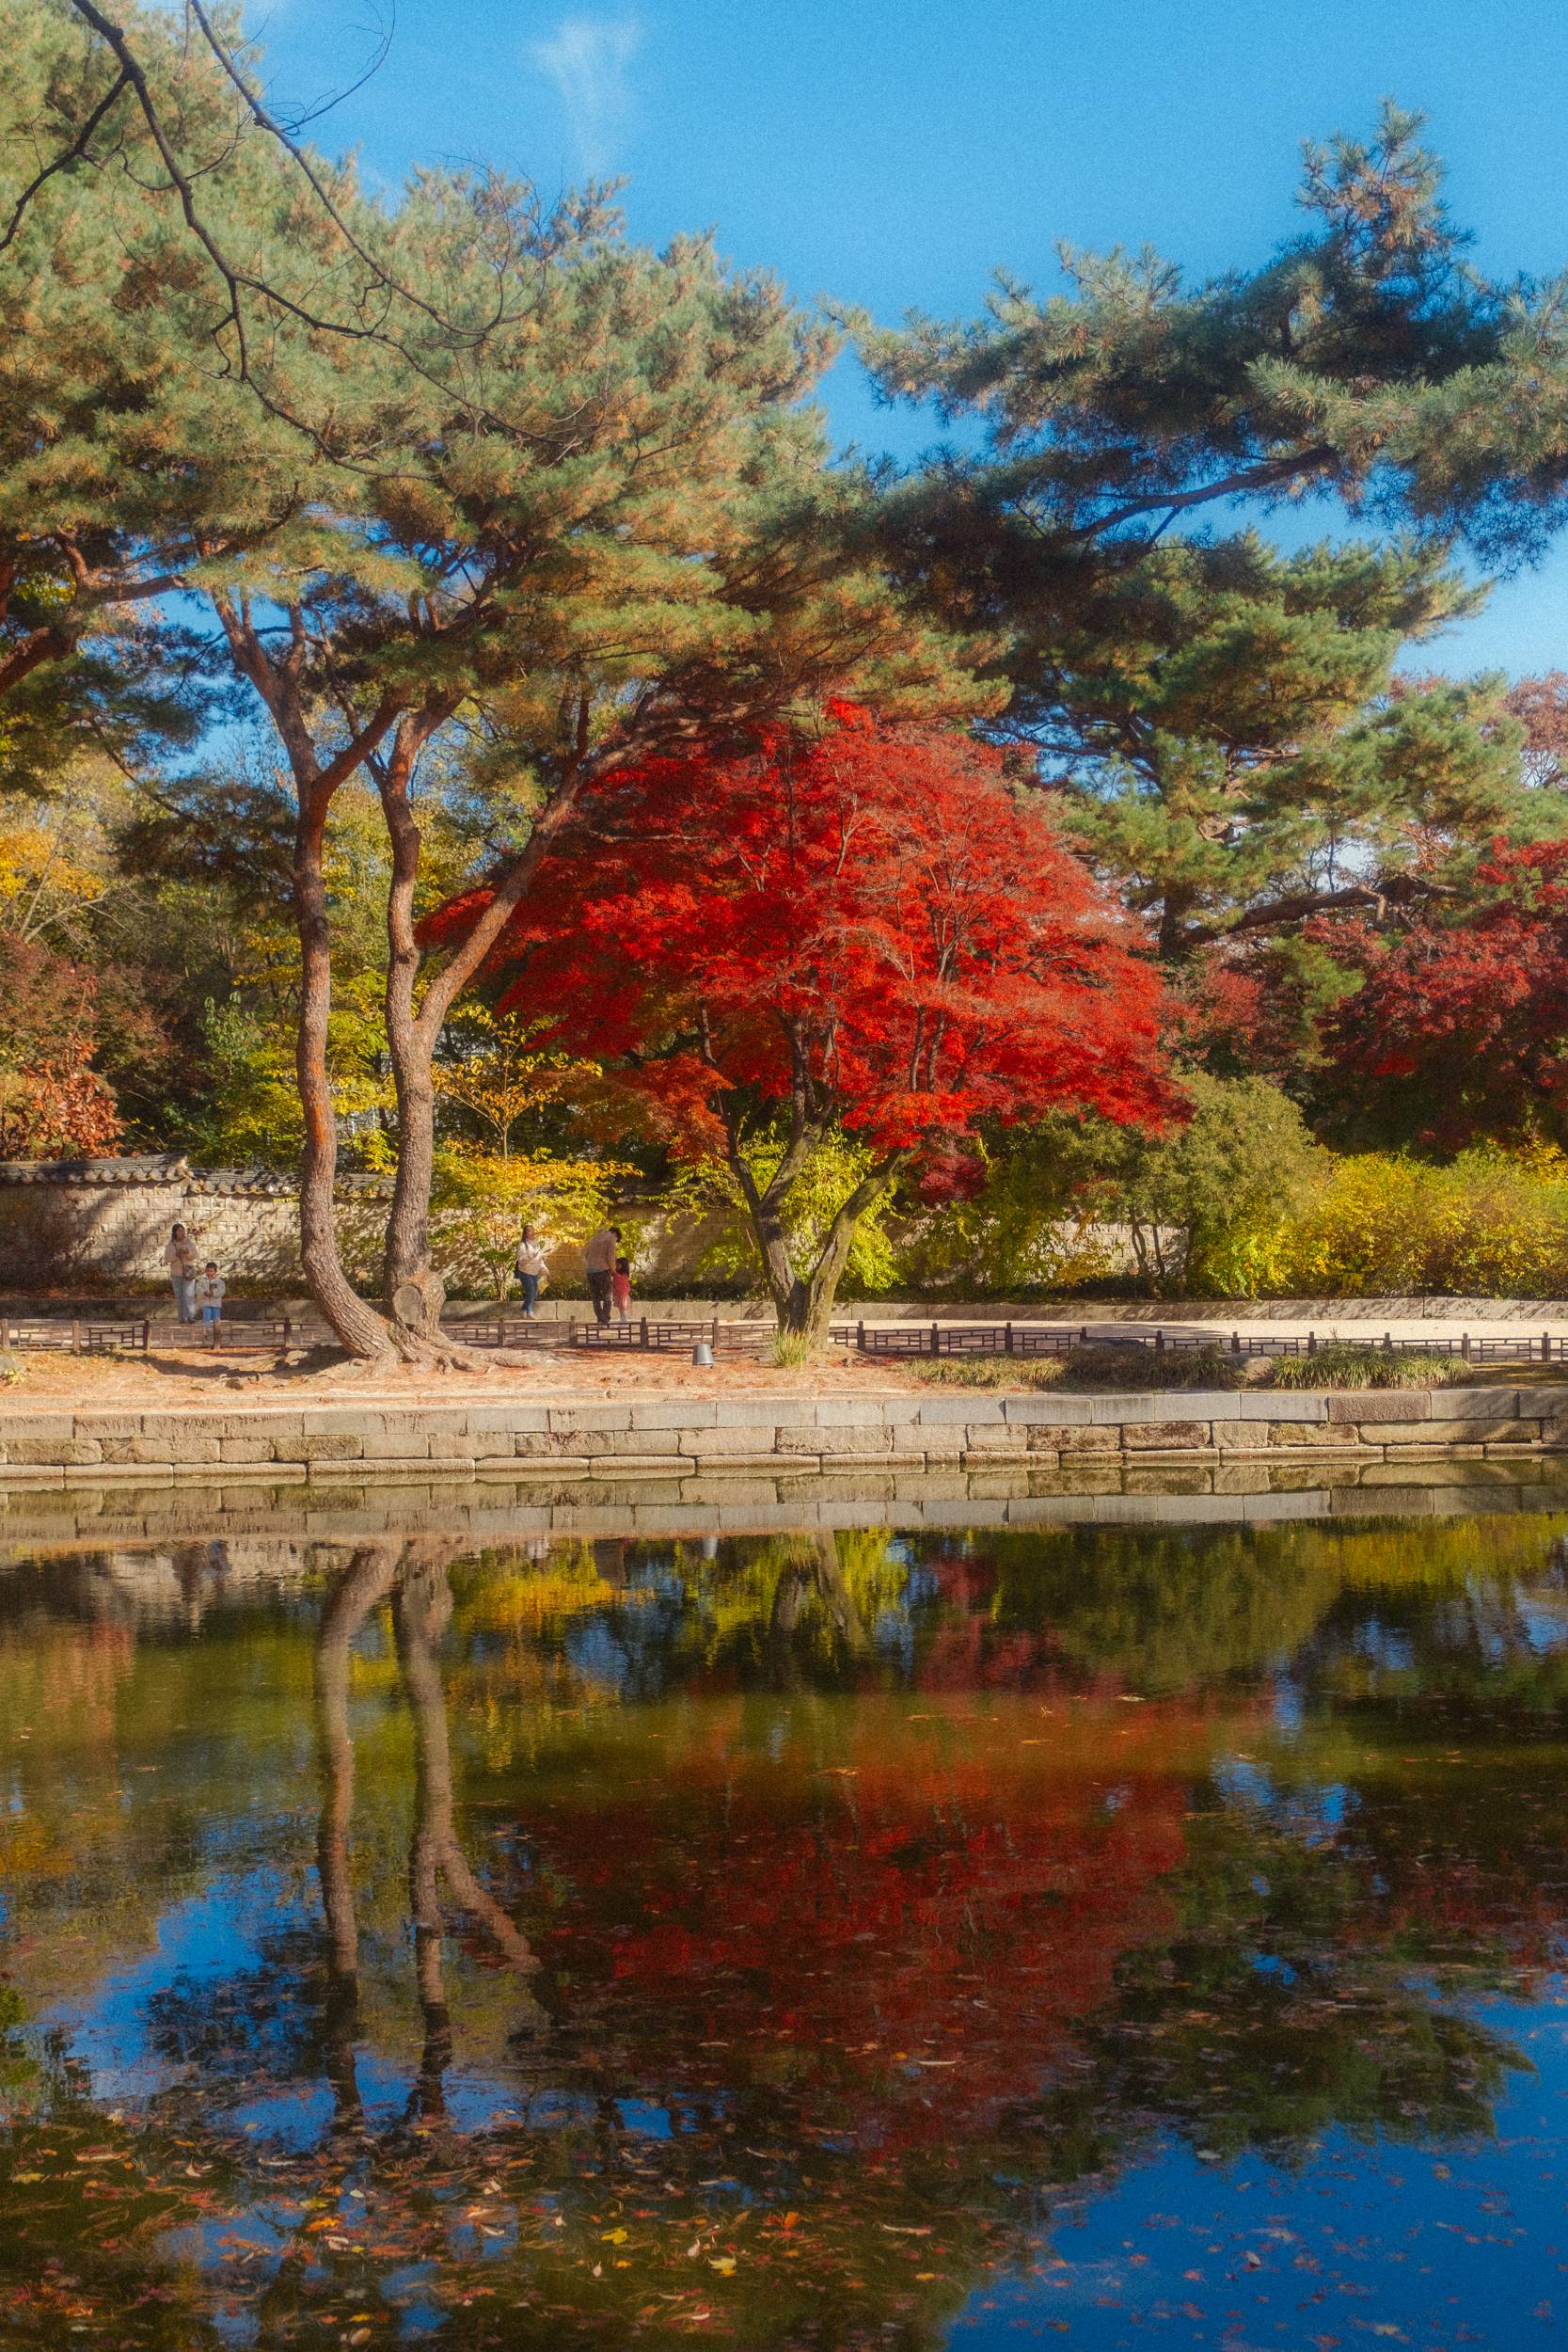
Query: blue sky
[[892, 152]]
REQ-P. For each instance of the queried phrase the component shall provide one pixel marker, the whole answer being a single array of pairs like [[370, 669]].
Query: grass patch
[[1130, 1368], [1349, 1364], [794, 1347], [12, 1368], [991, 1371], [1337, 1364]]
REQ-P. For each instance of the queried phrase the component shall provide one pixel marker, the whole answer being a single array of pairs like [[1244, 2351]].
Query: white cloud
[[587, 58]]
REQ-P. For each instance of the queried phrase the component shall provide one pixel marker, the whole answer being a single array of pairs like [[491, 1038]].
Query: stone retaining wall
[[676, 1437]]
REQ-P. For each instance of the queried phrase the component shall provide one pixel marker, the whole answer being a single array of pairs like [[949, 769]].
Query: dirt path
[[202, 1376]]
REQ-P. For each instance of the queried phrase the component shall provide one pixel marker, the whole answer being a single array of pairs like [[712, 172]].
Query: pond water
[[1113, 1936]]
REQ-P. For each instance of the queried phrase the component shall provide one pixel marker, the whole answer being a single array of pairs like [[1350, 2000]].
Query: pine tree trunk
[[412, 1288], [356, 1326]]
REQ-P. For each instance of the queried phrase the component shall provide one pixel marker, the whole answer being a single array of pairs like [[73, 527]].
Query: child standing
[[209, 1298], [620, 1289]]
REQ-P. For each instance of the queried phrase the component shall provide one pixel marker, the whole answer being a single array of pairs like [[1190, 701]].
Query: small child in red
[[620, 1289]]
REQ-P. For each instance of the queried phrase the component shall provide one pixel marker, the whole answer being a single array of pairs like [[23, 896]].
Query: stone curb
[[674, 1438]]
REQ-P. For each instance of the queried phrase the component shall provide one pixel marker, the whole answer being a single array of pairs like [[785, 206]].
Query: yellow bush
[[1491, 1224]]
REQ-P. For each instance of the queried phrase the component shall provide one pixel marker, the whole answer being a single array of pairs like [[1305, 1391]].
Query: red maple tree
[[871, 933], [1460, 1026]]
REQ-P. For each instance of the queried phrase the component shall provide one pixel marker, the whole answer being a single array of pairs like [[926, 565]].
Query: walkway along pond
[[422, 1930]]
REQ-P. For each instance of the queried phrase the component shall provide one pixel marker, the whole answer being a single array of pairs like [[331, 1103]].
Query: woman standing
[[181, 1260], [533, 1268]]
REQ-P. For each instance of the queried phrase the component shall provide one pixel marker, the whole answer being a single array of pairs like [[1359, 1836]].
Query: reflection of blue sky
[[1542, 1622], [1429, 2244], [211, 1938], [1309, 1812]]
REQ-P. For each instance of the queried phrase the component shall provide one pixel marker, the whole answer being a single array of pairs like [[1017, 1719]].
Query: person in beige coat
[[599, 1261]]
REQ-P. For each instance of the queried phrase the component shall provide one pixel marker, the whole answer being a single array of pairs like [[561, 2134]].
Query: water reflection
[[804, 1941]]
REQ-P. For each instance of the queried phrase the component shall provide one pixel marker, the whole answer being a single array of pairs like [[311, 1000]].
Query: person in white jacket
[[209, 1298], [533, 1268], [183, 1266]]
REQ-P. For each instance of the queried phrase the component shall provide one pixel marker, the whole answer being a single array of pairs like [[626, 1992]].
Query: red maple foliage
[[920, 1919], [56, 1111], [1461, 1024], [871, 932]]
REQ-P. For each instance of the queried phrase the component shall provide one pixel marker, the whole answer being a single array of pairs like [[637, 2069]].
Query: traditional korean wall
[[102, 1225]]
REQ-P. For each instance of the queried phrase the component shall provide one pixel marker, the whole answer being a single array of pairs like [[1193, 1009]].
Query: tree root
[[414, 1351]]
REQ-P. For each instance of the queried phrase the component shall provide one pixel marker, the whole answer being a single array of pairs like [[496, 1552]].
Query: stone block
[[71, 1451], [461, 1445], [504, 1421], [647, 1464], [702, 1443], [1547, 1403], [1046, 1406], [1203, 1404], [996, 1437], [1475, 1403], [28, 1427], [1277, 1404], [339, 1445], [174, 1425], [674, 1412], [549, 1445], [577, 1417], [1243, 1437], [1438, 1432], [1331, 1434], [864, 1413], [377, 1445], [1165, 1435], [940, 1446], [730, 1412], [336, 1466], [808, 1437], [1369, 1404], [247, 1450], [178, 1450], [1073, 1437], [938, 1413]]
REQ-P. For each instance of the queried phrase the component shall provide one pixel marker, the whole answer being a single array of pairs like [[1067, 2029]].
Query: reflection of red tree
[[911, 1923], [1463, 1899]]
